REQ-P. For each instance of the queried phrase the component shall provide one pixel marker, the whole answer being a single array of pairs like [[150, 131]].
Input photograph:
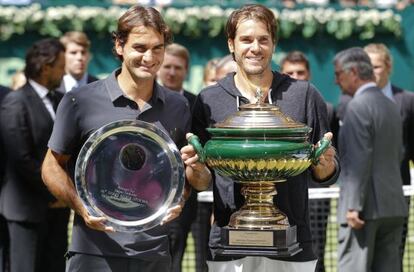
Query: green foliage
[[198, 21]]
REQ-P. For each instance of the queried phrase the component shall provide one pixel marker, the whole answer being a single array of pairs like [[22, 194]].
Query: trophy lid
[[129, 172], [259, 116]]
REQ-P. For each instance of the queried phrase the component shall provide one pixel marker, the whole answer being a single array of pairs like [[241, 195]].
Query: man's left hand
[[326, 162]]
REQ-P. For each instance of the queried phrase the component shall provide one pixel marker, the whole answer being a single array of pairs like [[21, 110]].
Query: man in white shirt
[[37, 223], [77, 58]]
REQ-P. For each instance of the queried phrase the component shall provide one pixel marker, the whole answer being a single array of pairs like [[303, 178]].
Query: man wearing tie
[[37, 223]]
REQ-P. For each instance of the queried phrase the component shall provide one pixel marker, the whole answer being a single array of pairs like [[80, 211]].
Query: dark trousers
[[179, 230], [90, 263], [201, 232], [4, 245], [404, 234], [375, 247], [318, 218], [39, 247]]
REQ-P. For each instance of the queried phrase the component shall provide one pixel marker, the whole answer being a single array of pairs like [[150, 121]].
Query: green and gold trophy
[[259, 146]]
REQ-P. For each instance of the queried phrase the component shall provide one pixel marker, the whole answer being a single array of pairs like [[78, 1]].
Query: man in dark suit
[[77, 58], [371, 207], [4, 235], [382, 63], [296, 65], [37, 223], [172, 74]]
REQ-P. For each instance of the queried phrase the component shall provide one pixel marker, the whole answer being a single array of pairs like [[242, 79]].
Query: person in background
[[209, 72], [77, 58], [129, 93], [172, 74], [251, 36], [371, 207], [224, 66], [174, 70], [381, 60], [4, 233], [18, 80], [37, 222], [296, 65]]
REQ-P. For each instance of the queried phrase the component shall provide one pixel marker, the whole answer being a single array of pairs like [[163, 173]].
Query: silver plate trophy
[[129, 172]]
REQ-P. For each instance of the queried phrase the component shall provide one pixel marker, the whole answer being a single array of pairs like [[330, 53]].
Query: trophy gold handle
[[323, 145], [195, 142]]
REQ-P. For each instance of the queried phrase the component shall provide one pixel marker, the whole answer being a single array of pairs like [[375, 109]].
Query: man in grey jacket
[[371, 206]]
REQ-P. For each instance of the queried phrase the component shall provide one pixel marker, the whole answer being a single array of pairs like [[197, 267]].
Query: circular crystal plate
[[129, 172]]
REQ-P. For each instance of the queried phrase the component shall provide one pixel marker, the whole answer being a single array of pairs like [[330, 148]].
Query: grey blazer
[[371, 152]]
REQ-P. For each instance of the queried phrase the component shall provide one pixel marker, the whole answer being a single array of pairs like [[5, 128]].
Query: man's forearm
[[59, 183], [199, 177]]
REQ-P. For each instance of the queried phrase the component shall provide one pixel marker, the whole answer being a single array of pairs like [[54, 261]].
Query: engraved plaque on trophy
[[129, 172]]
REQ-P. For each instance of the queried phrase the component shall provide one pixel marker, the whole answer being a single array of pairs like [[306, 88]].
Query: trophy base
[[267, 243]]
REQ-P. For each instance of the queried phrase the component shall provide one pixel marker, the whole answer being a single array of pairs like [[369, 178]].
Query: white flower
[[62, 15]]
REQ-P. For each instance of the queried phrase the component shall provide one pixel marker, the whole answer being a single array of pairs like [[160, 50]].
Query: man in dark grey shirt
[[128, 93]]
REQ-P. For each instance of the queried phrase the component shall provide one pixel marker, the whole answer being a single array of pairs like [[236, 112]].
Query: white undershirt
[[71, 82]]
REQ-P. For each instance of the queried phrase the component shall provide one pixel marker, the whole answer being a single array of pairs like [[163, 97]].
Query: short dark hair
[[252, 11], [43, 52], [295, 57], [140, 16], [355, 57]]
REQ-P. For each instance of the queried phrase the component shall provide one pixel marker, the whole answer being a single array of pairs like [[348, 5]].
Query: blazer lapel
[[396, 92], [36, 102], [61, 89]]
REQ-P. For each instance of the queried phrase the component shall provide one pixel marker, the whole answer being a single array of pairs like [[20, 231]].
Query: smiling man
[[251, 37], [129, 93]]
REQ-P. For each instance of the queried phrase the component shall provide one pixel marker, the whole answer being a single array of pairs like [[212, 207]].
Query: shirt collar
[[363, 87], [387, 91], [41, 90], [115, 90], [71, 82]]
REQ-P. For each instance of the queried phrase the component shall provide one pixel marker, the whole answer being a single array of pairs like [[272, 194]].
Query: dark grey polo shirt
[[84, 110]]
